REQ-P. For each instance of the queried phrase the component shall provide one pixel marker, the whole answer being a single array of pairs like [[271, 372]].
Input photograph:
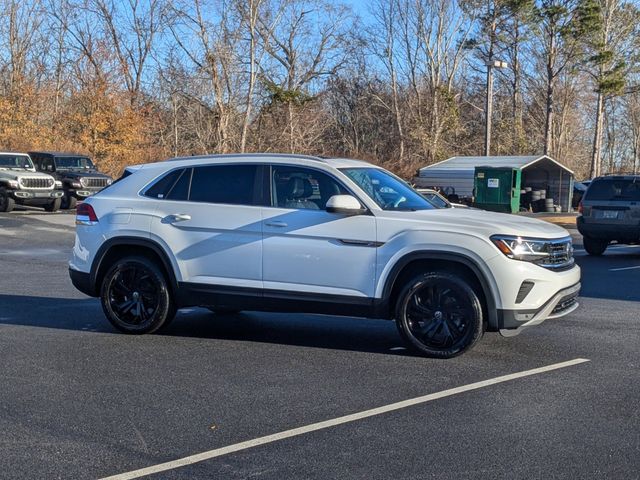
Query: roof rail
[[259, 155]]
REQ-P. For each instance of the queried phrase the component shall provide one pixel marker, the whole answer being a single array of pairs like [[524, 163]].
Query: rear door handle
[[276, 224], [178, 217]]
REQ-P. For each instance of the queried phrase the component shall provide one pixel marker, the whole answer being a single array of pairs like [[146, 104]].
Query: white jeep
[[21, 184], [292, 233]]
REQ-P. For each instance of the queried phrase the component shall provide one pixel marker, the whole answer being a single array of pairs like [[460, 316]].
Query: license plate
[[609, 214]]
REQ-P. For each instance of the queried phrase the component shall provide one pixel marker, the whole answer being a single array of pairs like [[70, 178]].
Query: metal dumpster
[[497, 189]]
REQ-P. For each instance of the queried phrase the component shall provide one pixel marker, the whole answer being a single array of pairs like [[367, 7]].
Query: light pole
[[488, 110]]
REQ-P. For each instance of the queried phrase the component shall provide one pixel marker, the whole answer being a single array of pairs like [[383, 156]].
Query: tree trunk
[[597, 138]]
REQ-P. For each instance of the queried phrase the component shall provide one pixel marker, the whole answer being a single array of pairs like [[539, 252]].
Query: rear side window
[[180, 189], [611, 189], [230, 184], [163, 186]]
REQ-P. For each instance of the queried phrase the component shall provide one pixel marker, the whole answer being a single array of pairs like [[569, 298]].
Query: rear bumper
[[562, 303], [82, 281], [608, 231]]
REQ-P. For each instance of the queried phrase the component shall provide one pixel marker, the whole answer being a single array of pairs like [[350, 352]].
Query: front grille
[[94, 182], [560, 255], [36, 182]]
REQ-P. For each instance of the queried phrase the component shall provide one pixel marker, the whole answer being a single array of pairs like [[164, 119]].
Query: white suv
[[291, 233]]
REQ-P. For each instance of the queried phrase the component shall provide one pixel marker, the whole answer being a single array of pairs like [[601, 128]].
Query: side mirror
[[345, 204]]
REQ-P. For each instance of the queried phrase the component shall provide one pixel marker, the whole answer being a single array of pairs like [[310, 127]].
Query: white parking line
[[200, 457], [623, 268]]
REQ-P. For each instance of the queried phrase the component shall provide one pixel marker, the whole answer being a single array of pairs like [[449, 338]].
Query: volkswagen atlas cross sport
[[291, 233]]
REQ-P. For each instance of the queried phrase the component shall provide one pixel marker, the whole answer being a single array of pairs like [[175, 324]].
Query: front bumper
[[36, 194], [82, 193], [511, 322]]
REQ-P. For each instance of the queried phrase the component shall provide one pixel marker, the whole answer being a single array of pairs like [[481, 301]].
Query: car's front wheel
[[136, 297], [54, 205], [594, 246], [439, 314], [6, 202], [69, 202]]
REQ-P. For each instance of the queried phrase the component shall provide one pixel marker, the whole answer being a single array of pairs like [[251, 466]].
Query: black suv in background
[[79, 176], [610, 212]]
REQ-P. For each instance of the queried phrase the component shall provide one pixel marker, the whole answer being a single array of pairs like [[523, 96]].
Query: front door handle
[[276, 224], [178, 217]]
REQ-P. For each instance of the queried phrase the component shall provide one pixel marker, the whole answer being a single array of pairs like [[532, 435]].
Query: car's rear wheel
[[439, 314], [594, 246], [136, 297], [6, 202]]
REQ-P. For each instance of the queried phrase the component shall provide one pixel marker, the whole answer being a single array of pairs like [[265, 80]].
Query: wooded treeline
[[133, 81]]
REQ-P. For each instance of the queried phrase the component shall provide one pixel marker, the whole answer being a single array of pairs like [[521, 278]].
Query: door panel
[[308, 249], [319, 252], [214, 243]]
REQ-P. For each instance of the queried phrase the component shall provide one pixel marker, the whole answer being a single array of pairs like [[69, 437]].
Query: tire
[[126, 286], [53, 206], [594, 246], [69, 202], [439, 315], [223, 310], [6, 202]]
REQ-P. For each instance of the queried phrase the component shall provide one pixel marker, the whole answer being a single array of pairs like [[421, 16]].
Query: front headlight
[[522, 248], [14, 184], [76, 184], [109, 181], [554, 254]]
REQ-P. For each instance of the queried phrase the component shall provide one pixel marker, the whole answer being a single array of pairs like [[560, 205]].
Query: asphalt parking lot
[[81, 401]]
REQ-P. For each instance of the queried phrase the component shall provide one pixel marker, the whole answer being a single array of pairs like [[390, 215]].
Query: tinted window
[[163, 186], [294, 187], [180, 190], [231, 184], [612, 189]]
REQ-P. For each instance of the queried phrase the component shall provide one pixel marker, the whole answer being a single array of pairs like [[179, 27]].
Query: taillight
[[580, 209], [86, 215]]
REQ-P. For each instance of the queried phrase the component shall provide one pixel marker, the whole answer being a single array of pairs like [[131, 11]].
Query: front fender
[[471, 251]]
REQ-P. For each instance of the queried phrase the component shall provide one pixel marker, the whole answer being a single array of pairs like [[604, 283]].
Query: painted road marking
[[623, 268], [218, 452]]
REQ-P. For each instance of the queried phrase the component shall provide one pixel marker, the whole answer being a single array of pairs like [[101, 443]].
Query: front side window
[[387, 190], [302, 188], [230, 184]]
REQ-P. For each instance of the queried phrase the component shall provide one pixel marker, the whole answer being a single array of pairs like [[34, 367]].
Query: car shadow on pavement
[[317, 331]]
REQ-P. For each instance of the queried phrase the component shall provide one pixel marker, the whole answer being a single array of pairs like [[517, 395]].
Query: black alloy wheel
[[135, 296], [439, 314]]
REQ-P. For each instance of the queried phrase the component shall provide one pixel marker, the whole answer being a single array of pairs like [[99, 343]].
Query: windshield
[[15, 161], [611, 189], [74, 162], [436, 199], [387, 190]]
